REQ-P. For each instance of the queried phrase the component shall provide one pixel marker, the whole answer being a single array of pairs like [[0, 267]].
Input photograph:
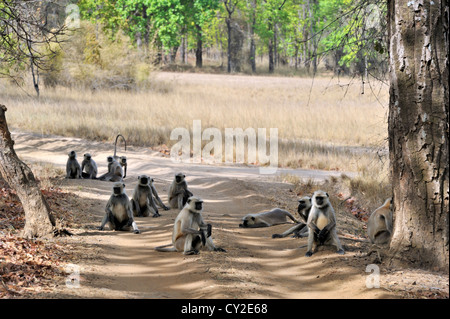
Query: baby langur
[[299, 230], [88, 167], [73, 168], [118, 211], [322, 224], [142, 201], [379, 226], [179, 192], [115, 172], [190, 233], [273, 217], [123, 163]]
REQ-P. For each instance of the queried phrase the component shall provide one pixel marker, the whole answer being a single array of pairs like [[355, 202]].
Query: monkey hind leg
[[192, 244]]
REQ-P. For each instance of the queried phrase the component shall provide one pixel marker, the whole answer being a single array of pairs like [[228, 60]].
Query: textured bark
[[418, 131], [39, 221]]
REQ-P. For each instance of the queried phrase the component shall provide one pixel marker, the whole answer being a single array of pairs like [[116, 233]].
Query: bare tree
[[419, 130], [23, 31]]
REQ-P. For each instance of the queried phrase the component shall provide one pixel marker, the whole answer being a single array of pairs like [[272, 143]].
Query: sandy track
[[125, 265]]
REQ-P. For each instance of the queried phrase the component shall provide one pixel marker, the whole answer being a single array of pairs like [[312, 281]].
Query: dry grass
[[314, 117]]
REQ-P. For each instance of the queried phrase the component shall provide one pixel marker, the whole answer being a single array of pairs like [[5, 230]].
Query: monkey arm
[[158, 200], [68, 169], [152, 203], [107, 217], [313, 226]]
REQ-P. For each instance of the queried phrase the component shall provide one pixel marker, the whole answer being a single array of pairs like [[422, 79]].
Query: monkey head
[[304, 202], [320, 199], [118, 188], [110, 159], [123, 160], [72, 155], [195, 204], [143, 180], [179, 177], [87, 156], [248, 220]]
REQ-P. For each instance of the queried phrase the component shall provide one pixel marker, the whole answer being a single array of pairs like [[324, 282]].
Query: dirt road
[[125, 265]]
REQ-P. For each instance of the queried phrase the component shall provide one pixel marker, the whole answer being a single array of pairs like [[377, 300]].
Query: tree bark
[[228, 22], [39, 221], [199, 49], [419, 131]]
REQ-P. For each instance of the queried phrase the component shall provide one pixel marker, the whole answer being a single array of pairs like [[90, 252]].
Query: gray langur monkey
[[299, 230], [142, 201], [190, 232], [118, 214], [115, 171], [322, 224], [88, 167], [73, 168], [379, 225], [273, 217], [179, 192]]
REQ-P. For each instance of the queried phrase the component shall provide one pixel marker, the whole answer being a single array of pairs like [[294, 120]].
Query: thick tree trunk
[[39, 221], [418, 131], [228, 21], [270, 46], [199, 49]]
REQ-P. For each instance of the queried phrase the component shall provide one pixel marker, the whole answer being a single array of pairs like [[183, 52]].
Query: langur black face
[[109, 159], [143, 180], [301, 205], [118, 189], [87, 156], [123, 160], [72, 154], [199, 205], [319, 200], [179, 178]]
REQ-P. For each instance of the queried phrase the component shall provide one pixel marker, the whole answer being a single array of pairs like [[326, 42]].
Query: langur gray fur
[[379, 225], [118, 214], [299, 230], [190, 232], [322, 224], [142, 201], [115, 172], [179, 192], [158, 200], [273, 217], [73, 168], [88, 167]]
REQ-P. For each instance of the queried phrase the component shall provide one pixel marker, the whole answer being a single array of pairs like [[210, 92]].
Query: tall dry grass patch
[[317, 120]]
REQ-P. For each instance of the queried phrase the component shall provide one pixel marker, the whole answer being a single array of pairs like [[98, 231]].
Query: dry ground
[[125, 265]]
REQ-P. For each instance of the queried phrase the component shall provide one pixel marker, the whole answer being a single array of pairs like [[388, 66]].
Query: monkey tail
[[115, 144], [165, 249]]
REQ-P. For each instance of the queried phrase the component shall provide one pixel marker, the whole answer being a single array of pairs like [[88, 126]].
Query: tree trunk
[[271, 68], [199, 49], [252, 41], [228, 21], [418, 131], [39, 221]]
